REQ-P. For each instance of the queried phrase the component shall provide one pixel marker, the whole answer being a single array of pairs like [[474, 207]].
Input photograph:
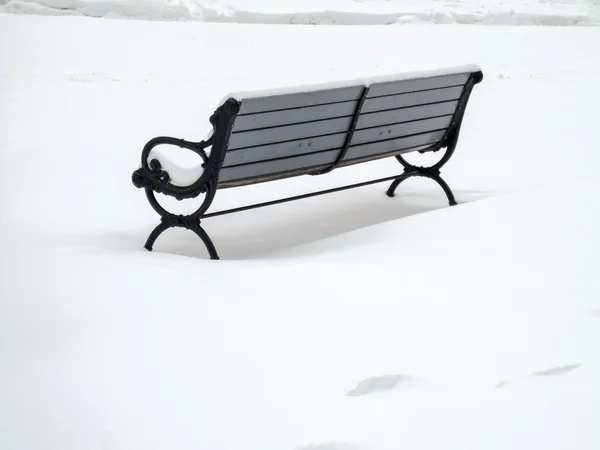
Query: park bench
[[311, 130]]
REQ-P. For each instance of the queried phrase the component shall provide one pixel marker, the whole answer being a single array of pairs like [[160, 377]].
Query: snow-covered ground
[[345, 322], [335, 12]]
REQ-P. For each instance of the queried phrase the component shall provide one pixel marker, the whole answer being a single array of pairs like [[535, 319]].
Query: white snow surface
[[350, 321], [333, 12], [360, 81]]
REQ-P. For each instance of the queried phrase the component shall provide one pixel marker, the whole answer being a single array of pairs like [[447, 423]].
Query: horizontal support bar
[[311, 194]]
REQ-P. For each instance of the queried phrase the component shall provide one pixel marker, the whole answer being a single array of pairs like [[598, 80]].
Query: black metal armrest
[[152, 175]]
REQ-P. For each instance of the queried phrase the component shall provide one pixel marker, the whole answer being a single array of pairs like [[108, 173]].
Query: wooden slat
[[293, 116], [303, 171], [412, 99], [302, 163], [287, 101], [405, 114], [290, 132], [284, 149], [391, 145], [384, 155], [399, 87], [399, 130], [269, 177], [276, 166]]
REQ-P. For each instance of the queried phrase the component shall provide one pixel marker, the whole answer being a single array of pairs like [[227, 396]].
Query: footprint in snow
[[382, 383], [554, 372], [558, 370]]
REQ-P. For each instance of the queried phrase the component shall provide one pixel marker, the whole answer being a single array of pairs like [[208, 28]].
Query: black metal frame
[[350, 133], [152, 178], [449, 141]]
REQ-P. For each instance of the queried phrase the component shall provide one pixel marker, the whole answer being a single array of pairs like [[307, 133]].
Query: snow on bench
[[263, 136]]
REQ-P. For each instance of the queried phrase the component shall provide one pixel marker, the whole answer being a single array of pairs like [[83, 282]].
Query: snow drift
[[333, 12]]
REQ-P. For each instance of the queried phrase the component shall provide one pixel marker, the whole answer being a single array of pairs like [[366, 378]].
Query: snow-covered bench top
[[261, 136], [350, 82]]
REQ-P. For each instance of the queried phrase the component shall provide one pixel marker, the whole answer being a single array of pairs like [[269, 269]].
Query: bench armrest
[[158, 174], [162, 175]]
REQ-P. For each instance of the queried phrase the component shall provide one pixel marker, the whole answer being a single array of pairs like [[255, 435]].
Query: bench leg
[[162, 226], [427, 174], [392, 189], [169, 220], [212, 251], [439, 180], [432, 172], [187, 222]]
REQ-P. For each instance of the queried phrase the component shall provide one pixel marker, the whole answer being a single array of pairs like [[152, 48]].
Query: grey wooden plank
[[405, 114], [265, 178], [387, 154], [284, 149], [391, 145], [286, 101], [255, 173], [304, 171], [277, 166], [412, 99], [399, 130], [292, 116], [418, 84], [289, 132]]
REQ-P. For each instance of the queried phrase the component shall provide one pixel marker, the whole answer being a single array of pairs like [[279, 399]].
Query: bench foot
[[427, 174], [432, 172], [439, 180], [188, 222], [155, 234], [212, 251], [391, 190]]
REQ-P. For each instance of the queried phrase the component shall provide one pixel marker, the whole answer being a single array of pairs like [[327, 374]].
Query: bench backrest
[[279, 136]]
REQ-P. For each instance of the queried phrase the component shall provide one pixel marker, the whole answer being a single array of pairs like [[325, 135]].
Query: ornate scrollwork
[[151, 174], [180, 221], [153, 178]]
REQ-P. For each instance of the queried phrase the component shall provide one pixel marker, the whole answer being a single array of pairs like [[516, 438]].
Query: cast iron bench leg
[[427, 174], [432, 172], [190, 222], [187, 222]]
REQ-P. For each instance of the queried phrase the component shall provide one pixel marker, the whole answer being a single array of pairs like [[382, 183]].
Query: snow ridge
[[340, 12]]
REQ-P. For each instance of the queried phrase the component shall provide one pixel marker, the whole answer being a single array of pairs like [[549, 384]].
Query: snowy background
[[345, 322], [346, 12]]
